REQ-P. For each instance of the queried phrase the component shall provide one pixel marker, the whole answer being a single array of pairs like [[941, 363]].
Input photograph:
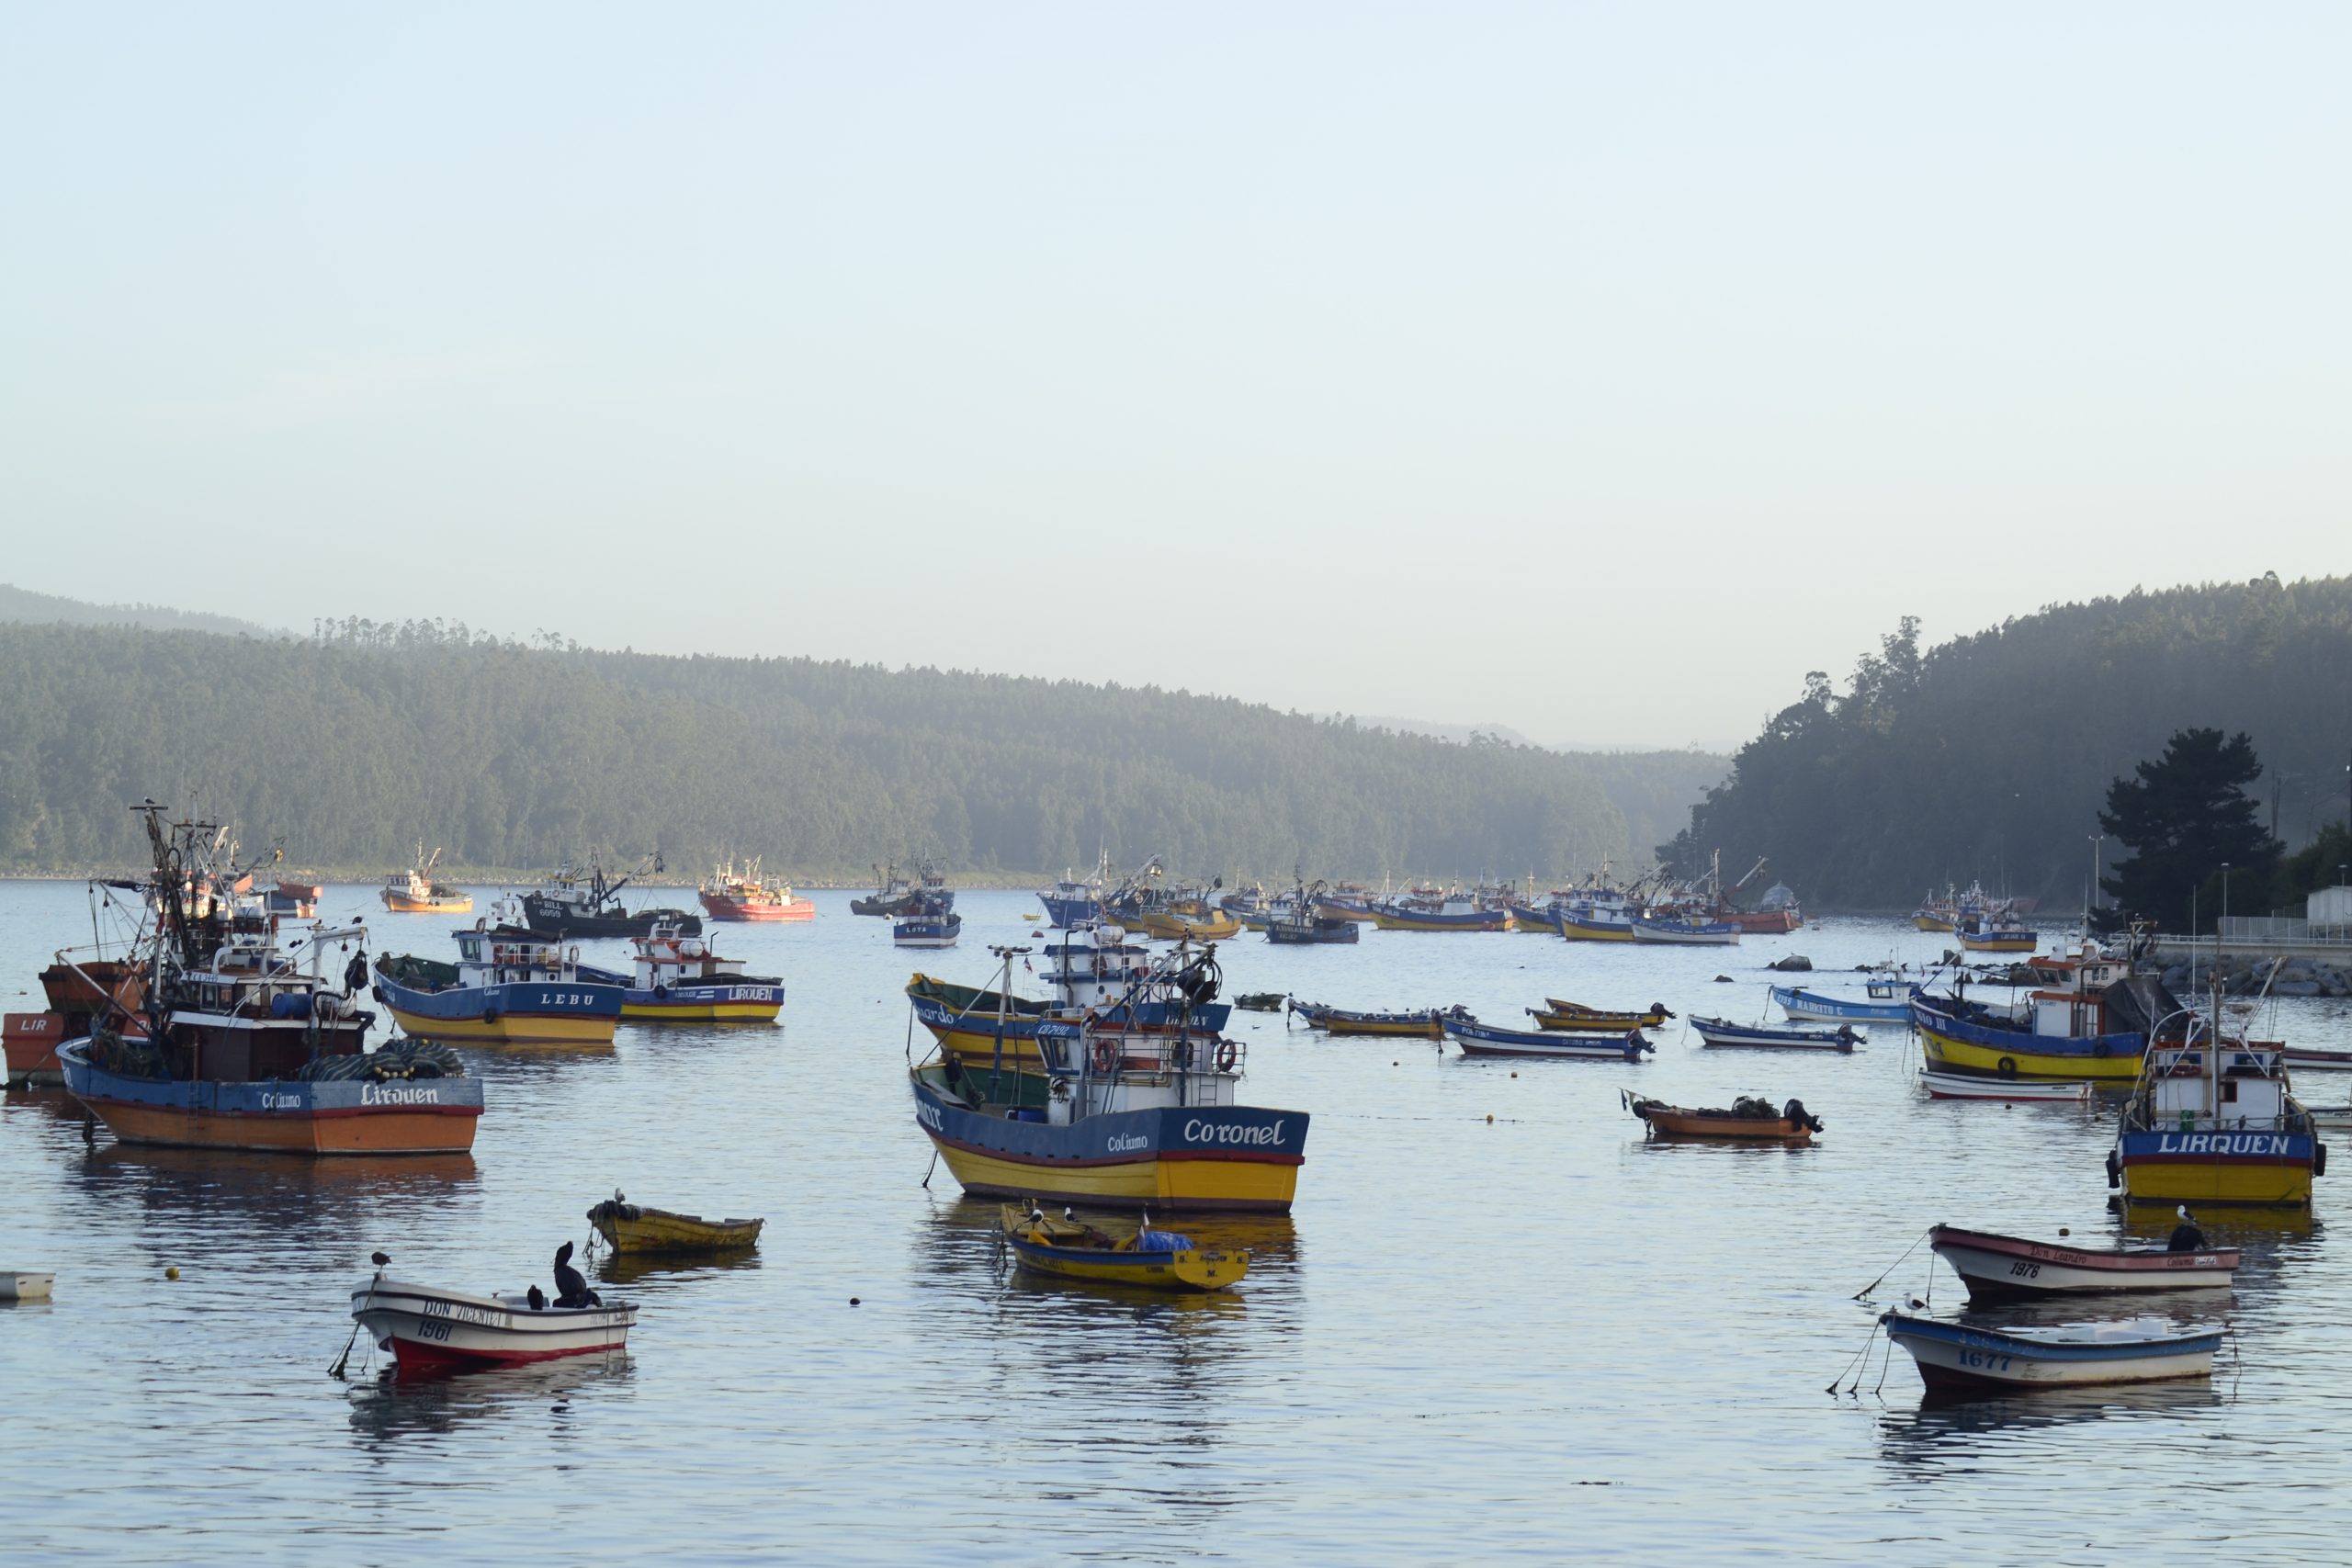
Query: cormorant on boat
[[537, 1298], [571, 1287], [2185, 1237], [380, 1258]]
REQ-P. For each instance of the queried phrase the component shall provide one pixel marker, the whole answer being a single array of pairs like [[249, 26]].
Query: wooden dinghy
[[1260, 1001], [1574, 1016], [1338, 1021], [1953, 1356], [1161, 1260], [2007, 1268], [1724, 1032], [1750, 1119], [632, 1227], [2008, 1092], [433, 1331]]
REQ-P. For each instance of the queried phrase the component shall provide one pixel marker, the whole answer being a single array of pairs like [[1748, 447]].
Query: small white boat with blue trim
[[1723, 1031], [1484, 1040], [2008, 1092], [1888, 1001], [1964, 1357]]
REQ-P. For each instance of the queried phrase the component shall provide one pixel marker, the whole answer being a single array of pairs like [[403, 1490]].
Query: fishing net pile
[[398, 1060], [110, 1052]]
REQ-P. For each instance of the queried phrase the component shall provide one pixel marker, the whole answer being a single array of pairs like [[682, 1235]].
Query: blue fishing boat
[[511, 985], [1073, 903], [1543, 920], [1888, 1002], [1484, 1040]]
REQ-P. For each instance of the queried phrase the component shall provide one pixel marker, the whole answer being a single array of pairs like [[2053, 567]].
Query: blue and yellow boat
[[509, 987], [1453, 915], [1543, 922], [2212, 1125], [1159, 1260], [2063, 1041], [677, 979]]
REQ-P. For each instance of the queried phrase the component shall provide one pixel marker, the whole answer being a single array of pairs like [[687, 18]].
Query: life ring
[[2008, 1067], [1225, 1055], [1106, 1055]]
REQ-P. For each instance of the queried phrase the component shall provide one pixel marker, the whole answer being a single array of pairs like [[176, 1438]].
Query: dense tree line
[[1990, 756], [353, 742]]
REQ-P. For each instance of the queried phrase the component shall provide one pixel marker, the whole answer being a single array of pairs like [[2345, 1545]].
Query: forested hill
[[24, 604], [352, 745], [1989, 757]]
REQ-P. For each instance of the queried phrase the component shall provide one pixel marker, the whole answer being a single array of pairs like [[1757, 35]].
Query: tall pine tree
[[2184, 817]]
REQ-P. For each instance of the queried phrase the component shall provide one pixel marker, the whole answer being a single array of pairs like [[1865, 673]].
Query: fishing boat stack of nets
[[398, 1059], [112, 1052]]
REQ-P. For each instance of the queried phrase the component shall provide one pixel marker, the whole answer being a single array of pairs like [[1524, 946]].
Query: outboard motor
[[1795, 1114]]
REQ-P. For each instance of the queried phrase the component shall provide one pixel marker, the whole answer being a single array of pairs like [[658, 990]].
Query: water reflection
[[673, 1267], [1959, 1434], [391, 1405]]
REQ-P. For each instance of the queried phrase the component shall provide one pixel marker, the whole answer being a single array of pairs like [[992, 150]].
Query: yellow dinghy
[[1214, 926], [1558, 1014], [1159, 1260], [631, 1228]]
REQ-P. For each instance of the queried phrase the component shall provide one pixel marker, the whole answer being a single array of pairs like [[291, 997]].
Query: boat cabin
[[2239, 1088], [490, 956], [666, 958]]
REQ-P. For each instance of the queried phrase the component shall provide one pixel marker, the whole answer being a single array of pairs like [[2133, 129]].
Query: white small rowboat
[[1953, 1356], [2011, 1091], [1723, 1031], [2007, 1268], [20, 1285], [448, 1331]]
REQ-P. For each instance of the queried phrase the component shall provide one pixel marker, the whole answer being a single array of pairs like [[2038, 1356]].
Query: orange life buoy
[[1225, 1055], [1106, 1055]]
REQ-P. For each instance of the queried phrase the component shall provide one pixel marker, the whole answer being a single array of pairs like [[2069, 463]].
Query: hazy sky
[[1593, 370]]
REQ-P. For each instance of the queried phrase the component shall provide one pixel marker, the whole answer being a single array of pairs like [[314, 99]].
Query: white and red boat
[[2009, 1268], [430, 1330]]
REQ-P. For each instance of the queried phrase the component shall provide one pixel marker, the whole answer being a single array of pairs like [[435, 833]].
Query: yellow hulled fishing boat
[[1559, 1015], [1428, 1025], [1161, 1260], [632, 1227], [2210, 1121], [2095, 1031], [1181, 925]]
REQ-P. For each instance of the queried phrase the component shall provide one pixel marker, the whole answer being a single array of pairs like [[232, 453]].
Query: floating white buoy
[[19, 1285]]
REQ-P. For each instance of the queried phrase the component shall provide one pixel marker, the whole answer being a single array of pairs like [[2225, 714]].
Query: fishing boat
[[414, 892], [1883, 1001], [1748, 1118], [891, 896], [1161, 1260], [1448, 912], [435, 1331], [1070, 902], [2008, 1091], [1684, 930], [634, 1228], [1954, 1355], [2212, 1122], [1543, 920], [730, 895], [677, 979], [1477, 1039], [1997, 932], [289, 898], [1347, 901], [1574, 1016], [1724, 1032], [585, 904], [928, 918], [1192, 921], [2098, 1029], [2007, 1268], [1776, 913], [1297, 921], [1427, 1025], [29, 1041], [1128, 1117], [509, 987], [1597, 915], [1092, 972], [239, 1047]]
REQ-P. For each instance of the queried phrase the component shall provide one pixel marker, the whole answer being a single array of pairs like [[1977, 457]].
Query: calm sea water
[[1498, 1325]]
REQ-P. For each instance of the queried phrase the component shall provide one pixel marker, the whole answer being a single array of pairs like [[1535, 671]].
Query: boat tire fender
[[2114, 1169], [1225, 1055], [490, 1015], [660, 993], [2008, 1067], [2099, 1046], [2319, 1158]]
